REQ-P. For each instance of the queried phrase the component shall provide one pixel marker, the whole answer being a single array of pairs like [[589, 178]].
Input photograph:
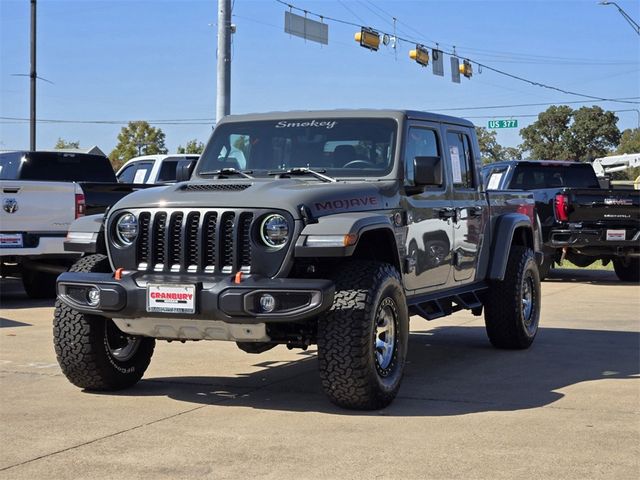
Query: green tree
[[62, 144], [548, 137], [593, 133], [490, 149], [137, 138], [561, 133], [629, 141], [192, 146]]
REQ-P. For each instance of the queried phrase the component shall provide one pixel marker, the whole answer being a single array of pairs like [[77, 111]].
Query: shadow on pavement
[[450, 371], [586, 276], [13, 296]]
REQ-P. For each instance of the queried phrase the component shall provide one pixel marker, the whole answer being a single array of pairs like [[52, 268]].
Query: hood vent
[[216, 187]]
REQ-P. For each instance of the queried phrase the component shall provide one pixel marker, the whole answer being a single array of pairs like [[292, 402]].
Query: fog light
[[93, 296], [267, 303]]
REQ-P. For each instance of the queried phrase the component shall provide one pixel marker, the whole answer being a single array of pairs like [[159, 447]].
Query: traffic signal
[[368, 38], [466, 69], [420, 55]]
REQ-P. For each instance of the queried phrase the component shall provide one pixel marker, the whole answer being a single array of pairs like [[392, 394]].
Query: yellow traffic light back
[[368, 38], [466, 69], [420, 55]]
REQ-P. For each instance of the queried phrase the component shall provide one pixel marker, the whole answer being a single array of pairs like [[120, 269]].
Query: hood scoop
[[216, 187]]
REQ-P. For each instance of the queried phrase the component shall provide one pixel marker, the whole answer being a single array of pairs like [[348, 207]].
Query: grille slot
[[191, 241], [158, 241], [209, 234], [215, 241], [244, 243], [174, 242], [226, 242], [143, 241]]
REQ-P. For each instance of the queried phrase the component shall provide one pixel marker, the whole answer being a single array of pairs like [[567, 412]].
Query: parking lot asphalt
[[569, 407]]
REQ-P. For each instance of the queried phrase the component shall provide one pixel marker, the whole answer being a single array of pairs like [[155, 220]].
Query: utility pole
[[223, 86], [33, 76]]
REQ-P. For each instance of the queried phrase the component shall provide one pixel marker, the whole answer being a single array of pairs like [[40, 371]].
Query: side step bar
[[441, 304]]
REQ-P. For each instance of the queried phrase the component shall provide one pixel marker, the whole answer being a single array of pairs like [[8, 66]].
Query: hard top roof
[[348, 113]]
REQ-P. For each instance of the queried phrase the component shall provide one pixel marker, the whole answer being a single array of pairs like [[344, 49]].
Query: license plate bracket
[[171, 298], [11, 240], [616, 235]]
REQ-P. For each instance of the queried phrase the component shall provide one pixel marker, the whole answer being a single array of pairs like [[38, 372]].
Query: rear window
[[56, 167], [534, 176]]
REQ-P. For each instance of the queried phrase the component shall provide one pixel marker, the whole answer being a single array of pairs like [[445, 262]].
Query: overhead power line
[[454, 54], [489, 107]]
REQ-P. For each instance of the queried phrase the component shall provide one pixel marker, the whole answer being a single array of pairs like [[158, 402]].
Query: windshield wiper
[[226, 172], [303, 171]]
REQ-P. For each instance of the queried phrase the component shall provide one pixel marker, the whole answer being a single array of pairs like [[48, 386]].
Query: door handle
[[475, 211], [447, 212]]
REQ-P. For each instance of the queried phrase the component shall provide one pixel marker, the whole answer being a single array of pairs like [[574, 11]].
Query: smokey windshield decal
[[328, 124]]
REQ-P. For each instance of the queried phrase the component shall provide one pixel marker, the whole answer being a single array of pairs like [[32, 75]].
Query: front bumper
[[217, 298]]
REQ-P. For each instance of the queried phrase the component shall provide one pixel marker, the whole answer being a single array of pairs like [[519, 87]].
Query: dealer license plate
[[615, 235], [11, 240], [171, 298]]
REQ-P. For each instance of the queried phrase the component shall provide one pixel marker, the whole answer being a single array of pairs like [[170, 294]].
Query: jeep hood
[[289, 194]]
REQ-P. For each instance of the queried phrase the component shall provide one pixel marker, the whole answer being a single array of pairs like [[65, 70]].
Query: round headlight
[[274, 231], [127, 228]]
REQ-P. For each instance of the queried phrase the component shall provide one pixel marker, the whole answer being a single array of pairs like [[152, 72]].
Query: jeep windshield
[[340, 147]]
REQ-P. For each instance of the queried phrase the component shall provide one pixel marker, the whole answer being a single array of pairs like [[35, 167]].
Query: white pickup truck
[[151, 169], [41, 194]]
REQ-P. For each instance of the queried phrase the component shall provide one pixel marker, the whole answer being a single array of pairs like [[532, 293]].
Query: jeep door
[[429, 229], [469, 202]]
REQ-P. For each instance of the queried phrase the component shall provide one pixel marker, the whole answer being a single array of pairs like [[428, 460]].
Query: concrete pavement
[[569, 407]]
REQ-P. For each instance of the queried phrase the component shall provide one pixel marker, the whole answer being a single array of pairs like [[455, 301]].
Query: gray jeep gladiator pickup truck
[[328, 228]]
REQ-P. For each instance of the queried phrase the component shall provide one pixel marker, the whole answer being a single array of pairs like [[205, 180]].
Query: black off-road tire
[[84, 344], [39, 285], [627, 270], [509, 323], [368, 295]]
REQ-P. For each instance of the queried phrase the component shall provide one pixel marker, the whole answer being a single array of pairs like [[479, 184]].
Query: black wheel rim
[[385, 336], [120, 346], [528, 303]]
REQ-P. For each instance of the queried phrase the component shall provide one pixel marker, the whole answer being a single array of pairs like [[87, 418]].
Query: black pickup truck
[[41, 194], [579, 220], [327, 228]]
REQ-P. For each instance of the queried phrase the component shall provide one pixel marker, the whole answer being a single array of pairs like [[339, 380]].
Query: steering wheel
[[358, 163]]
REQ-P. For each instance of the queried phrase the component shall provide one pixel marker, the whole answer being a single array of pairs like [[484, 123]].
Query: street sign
[[503, 124], [306, 28]]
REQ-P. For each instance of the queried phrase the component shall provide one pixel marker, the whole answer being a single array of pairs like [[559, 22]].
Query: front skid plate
[[186, 329]]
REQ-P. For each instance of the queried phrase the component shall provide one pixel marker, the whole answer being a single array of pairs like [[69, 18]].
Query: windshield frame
[[389, 172]]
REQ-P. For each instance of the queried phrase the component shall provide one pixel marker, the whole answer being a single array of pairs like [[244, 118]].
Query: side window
[[167, 171], [461, 158], [126, 175], [421, 142], [494, 179]]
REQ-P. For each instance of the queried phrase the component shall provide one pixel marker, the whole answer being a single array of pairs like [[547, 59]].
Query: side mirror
[[184, 170], [427, 171]]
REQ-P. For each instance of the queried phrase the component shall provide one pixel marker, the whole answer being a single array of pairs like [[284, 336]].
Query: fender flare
[[343, 224], [86, 235], [503, 236]]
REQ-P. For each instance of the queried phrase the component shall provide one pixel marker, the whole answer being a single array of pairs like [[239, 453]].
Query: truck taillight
[[80, 205], [561, 207]]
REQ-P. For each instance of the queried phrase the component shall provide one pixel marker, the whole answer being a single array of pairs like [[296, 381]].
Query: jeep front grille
[[194, 241]]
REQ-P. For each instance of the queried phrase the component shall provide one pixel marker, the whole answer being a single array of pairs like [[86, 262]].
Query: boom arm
[[615, 163]]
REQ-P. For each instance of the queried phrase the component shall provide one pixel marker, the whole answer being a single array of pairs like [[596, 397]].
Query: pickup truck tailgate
[[616, 207], [37, 206]]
